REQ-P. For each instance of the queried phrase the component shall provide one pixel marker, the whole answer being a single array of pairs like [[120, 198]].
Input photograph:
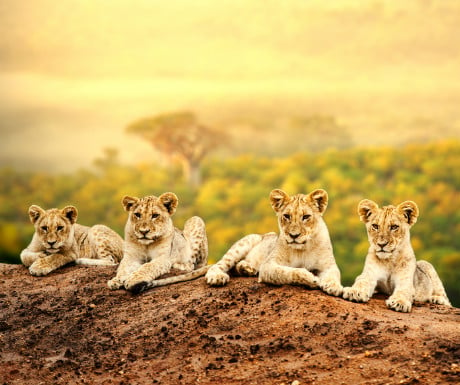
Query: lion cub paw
[[315, 283], [217, 277], [114, 284], [440, 300], [297, 277], [133, 281], [138, 287], [399, 303], [355, 295], [331, 287], [244, 268], [38, 268]]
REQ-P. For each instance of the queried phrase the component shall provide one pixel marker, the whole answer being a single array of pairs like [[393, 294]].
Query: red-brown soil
[[68, 328]]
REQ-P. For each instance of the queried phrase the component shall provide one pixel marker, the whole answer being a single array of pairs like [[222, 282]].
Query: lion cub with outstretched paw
[[301, 254], [390, 265], [58, 240], [153, 246]]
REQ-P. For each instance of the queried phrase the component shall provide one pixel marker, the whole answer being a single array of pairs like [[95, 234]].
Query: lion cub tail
[[170, 280], [194, 274]]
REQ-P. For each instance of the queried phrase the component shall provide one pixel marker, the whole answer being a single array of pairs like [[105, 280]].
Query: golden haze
[[75, 73]]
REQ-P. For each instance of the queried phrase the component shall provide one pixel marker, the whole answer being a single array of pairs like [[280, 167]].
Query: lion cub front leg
[[159, 263], [329, 281], [49, 263], [272, 272], [403, 294], [362, 289], [147, 273], [29, 257], [128, 265]]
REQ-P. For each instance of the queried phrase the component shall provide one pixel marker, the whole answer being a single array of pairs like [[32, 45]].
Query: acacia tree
[[179, 136]]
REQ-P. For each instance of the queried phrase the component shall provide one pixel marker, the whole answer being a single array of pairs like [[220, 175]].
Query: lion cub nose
[[294, 236], [382, 245], [51, 243], [143, 232]]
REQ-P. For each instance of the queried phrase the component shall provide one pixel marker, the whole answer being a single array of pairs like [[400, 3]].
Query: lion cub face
[[298, 216], [389, 226], [149, 218], [53, 227]]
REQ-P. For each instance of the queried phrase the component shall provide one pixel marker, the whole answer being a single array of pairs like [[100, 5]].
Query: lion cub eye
[[60, 228], [154, 216], [287, 216], [394, 227], [44, 228], [306, 217], [137, 215], [375, 226]]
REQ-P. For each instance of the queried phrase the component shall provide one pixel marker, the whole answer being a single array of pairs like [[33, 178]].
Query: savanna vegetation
[[233, 197]]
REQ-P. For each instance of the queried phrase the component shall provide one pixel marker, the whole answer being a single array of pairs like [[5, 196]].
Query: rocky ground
[[68, 328]]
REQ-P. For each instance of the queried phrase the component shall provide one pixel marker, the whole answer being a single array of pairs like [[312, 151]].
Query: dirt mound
[[68, 328]]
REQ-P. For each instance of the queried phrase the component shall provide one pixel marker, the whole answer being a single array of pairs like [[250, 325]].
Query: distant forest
[[233, 198]]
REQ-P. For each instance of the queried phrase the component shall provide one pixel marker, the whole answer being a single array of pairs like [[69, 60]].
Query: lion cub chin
[[153, 246], [58, 240], [390, 265], [301, 254]]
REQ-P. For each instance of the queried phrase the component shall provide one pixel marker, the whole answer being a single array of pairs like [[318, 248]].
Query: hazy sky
[[77, 71], [227, 39]]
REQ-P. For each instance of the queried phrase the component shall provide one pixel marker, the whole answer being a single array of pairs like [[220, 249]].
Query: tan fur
[[58, 240], [390, 265], [301, 254], [153, 246]]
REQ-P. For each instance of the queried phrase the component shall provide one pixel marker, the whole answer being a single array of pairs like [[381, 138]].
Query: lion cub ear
[[319, 198], [278, 199], [128, 202], [170, 201], [35, 212], [409, 210], [71, 213], [366, 208]]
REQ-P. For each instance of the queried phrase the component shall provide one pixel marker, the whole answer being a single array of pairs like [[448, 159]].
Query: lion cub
[[153, 246], [301, 254], [390, 265], [58, 240]]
